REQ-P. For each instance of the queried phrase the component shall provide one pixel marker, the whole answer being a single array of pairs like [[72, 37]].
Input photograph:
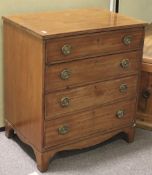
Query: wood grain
[[23, 70], [91, 71], [33, 61], [72, 22], [89, 122], [147, 67], [145, 104], [144, 123], [147, 58], [44, 157], [92, 45], [144, 115], [89, 96]]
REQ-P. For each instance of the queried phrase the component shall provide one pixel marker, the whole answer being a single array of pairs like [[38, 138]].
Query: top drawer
[[82, 46]]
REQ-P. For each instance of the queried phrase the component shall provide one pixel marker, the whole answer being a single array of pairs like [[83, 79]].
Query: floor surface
[[113, 158]]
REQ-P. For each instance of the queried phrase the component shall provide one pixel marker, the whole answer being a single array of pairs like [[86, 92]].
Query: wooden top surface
[[69, 22], [147, 58]]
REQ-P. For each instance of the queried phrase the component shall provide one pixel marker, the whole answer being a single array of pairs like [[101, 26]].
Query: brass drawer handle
[[65, 74], [124, 63], [123, 88], [120, 114], [65, 101], [63, 130], [127, 40], [146, 94], [66, 49]]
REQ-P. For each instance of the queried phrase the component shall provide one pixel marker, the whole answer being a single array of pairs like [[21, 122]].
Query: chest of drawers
[[71, 78], [144, 115]]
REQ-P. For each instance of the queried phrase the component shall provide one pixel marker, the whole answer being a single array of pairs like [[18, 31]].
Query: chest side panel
[[23, 71]]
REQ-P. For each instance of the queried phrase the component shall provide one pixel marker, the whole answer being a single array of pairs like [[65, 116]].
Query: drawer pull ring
[[124, 63], [66, 49], [120, 114], [65, 101], [63, 130], [127, 40], [65, 74], [123, 88], [146, 94]]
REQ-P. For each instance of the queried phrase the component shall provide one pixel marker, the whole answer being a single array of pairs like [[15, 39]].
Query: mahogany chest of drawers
[[71, 78]]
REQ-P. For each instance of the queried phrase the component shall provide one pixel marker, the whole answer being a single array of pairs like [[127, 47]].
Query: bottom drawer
[[104, 118]]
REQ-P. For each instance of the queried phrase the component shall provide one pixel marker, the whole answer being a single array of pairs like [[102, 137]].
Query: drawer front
[[68, 101], [82, 124], [71, 74], [145, 97], [71, 48]]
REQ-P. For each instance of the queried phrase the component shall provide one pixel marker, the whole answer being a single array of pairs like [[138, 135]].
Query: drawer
[[65, 102], [83, 46], [101, 119], [87, 71]]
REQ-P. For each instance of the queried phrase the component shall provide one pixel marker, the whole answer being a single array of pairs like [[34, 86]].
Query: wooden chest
[[144, 115], [71, 78]]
